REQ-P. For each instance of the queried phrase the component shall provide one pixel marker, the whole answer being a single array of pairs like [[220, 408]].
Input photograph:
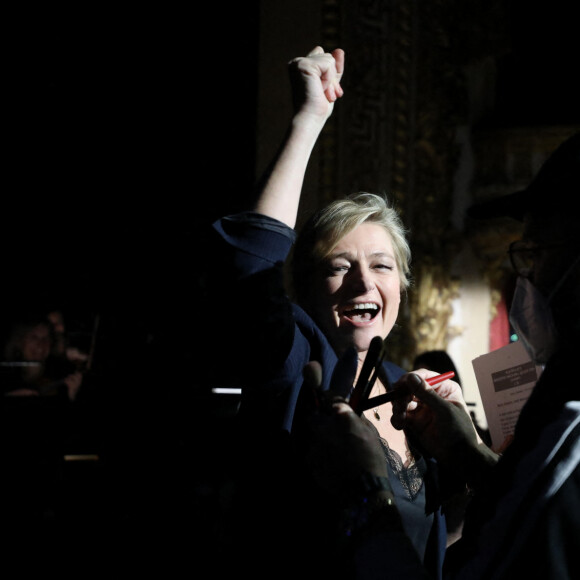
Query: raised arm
[[315, 81]]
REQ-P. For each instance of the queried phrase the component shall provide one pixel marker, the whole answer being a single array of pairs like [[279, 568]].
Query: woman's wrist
[[309, 123]]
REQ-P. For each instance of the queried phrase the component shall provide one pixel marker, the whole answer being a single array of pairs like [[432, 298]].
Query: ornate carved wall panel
[[394, 133]]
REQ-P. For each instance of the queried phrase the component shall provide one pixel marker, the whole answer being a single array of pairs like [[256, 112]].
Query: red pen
[[440, 378]]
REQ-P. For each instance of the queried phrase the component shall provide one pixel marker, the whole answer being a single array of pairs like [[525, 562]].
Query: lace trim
[[410, 477]]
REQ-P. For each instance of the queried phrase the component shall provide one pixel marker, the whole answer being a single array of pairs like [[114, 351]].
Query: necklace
[[376, 409]]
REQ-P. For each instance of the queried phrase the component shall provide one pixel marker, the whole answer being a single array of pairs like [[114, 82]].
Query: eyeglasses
[[523, 255]]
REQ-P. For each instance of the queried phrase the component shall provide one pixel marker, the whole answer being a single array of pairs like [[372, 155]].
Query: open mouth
[[361, 312]]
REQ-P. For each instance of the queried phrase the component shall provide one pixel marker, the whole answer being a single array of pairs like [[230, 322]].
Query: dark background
[[127, 131], [124, 122]]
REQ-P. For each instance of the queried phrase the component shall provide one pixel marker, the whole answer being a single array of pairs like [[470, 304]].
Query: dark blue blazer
[[274, 339]]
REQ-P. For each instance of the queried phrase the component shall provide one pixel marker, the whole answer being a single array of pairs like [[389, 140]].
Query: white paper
[[505, 378]]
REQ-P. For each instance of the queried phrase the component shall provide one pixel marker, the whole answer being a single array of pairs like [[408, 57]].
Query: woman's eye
[[337, 268], [384, 267]]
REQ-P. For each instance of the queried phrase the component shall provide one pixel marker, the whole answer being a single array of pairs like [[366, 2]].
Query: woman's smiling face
[[360, 289]]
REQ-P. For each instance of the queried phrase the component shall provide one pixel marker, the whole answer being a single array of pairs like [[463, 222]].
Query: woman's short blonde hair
[[322, 232]]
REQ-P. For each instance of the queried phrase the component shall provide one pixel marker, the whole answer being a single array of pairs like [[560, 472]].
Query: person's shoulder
[[259, 236], [248, 219], [306, 323]]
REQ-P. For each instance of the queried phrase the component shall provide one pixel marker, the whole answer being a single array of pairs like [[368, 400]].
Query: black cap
[[555, 187]]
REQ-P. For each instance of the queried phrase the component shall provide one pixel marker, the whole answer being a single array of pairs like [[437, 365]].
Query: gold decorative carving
[[431, 308]]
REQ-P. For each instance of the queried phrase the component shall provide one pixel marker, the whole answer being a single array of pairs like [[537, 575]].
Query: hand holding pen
[[398, 393], [359, 399]]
